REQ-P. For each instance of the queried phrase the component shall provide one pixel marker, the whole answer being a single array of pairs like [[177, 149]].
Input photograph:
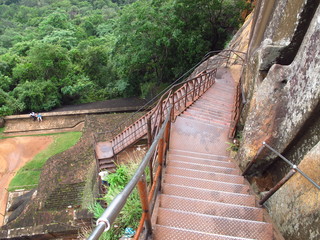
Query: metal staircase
[[181, 96], [203, 193]]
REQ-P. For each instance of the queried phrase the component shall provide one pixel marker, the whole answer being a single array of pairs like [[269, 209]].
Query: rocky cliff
[[281, 85]]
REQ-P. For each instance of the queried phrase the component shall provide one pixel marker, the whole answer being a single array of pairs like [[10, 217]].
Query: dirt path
[[14, 153]]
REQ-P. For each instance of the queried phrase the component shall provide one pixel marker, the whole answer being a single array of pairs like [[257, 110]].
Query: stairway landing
[[203, 194]]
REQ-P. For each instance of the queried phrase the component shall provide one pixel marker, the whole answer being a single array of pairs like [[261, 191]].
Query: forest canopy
[[58, 52]]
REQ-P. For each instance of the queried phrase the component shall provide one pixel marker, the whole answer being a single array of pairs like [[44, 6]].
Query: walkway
[[203, 194]]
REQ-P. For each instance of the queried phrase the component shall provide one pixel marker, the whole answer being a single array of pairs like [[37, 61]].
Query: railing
[[220, 57], [156, 124], [180, 96], [157, 149], [149, 122], [293, 170]]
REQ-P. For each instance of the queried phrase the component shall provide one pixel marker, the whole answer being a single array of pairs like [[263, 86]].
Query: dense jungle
[[58, 52]]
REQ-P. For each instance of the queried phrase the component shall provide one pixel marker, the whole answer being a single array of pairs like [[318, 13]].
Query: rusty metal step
[[215, 225], [214, 125], [203, 167], [211, 110], [210, 106], [211, 113], [198, 154], [206, 120], [172, 233], [218, 163], [106, 161], [206, 184], [211, 208], [205, 175], [106, 165], [208, 116], [209, 195], [222, 103]]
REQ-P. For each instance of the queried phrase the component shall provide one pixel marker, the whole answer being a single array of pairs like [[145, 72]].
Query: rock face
[[281, 82], [299, 209]]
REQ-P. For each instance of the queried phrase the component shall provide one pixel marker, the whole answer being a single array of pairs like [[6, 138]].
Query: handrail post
[[186, 96], [194, 87], [149, 132], [149, 135], [161, 113], [142, 187], [279, 185], [160, 152]]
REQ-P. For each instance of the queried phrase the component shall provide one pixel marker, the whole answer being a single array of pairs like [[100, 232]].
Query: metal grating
[[198, 154], [209, 195], [204, 167], [218, 163], [205, 175], [171, 233], [215, 225], [211, 208], [206, 184]]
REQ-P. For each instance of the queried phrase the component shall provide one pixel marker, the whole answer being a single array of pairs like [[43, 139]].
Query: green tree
[[44, 61], [37, 95]]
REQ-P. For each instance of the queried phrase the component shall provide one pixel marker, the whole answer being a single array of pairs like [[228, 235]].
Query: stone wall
[[281, 82], [50, 123], [67, 187]]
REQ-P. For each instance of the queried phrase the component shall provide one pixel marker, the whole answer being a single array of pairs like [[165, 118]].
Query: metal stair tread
[[213, 110], [197, 166], [208, 194], [213, 125], [183, 158], [202, 171], [202, 183], [207, 121], [197, 153], [205, 175], [210, 114], [169, 233], [213, 208], [215, 224]]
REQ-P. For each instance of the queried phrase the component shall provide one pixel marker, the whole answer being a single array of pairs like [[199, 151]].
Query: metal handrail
[[293, 170], [108, 217], [161, 107], [151, 103], [292, 165]]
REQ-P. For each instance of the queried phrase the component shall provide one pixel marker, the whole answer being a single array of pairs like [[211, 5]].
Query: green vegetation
[[57, 52], [131, 212], [28, 176]]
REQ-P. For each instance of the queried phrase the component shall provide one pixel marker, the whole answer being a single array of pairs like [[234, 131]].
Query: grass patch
[[132, 211], [28, 176]]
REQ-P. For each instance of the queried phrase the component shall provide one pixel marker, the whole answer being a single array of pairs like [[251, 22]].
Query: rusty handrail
[[108, 217], [153, 102], [293, 170], [118, 144]]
